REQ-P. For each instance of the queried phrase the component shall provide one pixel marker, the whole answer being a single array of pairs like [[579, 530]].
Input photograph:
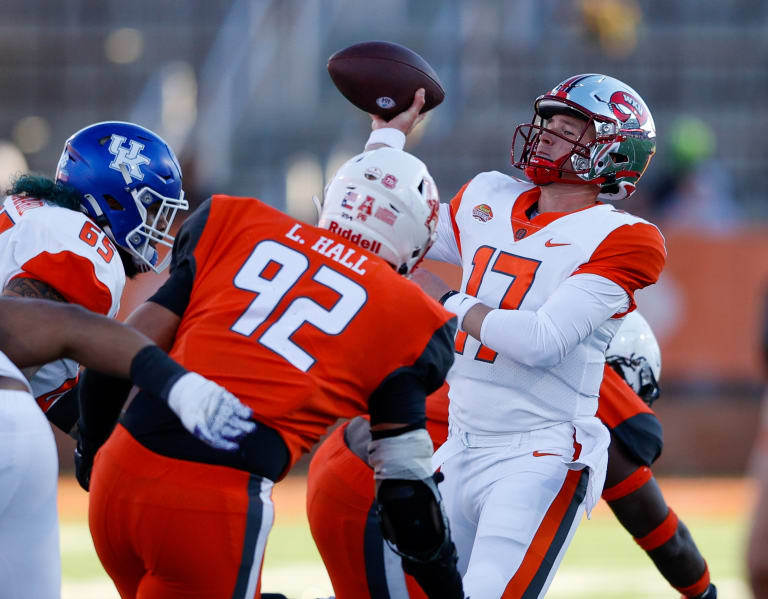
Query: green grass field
[[602, 563]]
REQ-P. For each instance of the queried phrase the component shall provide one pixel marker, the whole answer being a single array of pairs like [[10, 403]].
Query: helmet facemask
[[157, 215]]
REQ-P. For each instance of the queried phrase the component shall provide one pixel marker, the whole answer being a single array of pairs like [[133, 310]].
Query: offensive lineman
[[286, 315], [73, 239], [548, 273]]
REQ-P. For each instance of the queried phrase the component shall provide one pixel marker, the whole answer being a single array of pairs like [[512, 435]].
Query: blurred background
[[240, 90]]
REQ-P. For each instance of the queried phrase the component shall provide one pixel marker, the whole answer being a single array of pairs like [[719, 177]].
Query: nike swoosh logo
[[539, 454], [549, 244]]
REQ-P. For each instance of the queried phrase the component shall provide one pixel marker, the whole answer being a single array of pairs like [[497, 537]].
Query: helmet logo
[[389, 181], [385, 216], [372, 173], [482, 212], [131, 157], [625, 106], [365, 209]]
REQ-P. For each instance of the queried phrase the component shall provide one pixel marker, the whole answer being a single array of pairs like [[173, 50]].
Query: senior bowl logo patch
[[482, 212]]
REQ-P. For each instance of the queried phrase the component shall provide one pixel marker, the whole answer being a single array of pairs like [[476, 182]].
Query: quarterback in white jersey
[[548, 273], [74, 239]]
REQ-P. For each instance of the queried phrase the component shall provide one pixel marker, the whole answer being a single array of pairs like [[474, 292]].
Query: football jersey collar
[[522, 226]]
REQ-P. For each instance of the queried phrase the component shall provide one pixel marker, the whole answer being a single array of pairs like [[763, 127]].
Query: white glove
[[210, 412]]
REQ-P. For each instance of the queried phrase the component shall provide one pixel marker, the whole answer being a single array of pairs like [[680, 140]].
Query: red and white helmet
[[386, 202], [635, 355], [625, 136]]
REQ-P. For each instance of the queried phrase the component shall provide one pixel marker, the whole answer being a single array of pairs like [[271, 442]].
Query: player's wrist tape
[[407, 456], [389, 136], [446, 295], [459, 303], [155, 372]]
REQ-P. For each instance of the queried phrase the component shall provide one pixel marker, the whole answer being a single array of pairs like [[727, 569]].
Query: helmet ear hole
[[113, 203], [619, 158]]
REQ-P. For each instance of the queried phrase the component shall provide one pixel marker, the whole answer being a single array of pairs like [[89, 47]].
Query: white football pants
[[30, 563], [513, 507]]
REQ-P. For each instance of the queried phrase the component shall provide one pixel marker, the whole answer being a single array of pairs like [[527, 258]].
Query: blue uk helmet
[[129, 181]]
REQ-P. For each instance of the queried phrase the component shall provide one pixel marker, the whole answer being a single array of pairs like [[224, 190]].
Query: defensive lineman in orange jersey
[[306, 326]]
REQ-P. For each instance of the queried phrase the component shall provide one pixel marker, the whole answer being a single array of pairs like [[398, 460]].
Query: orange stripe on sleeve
[[6, 222], [661, 534], [632, 256], [455, 203], [629, 485], [73, 276], [543, 538]]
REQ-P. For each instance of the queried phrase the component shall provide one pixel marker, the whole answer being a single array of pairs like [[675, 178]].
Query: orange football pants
[[345, 526], [166, 528]]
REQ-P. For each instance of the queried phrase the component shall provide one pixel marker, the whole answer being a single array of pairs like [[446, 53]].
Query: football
[[382, 77]]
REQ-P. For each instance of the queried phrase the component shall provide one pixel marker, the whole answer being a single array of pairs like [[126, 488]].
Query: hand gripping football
[[382, 77]]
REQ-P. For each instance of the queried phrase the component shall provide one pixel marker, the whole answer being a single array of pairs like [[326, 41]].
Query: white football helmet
[[635, 355], [386, 202]]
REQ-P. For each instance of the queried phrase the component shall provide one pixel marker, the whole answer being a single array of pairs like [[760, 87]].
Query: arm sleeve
[[401, 395], [175, 292], [543, 338], [447, 246], [101, 399], [632, 256]]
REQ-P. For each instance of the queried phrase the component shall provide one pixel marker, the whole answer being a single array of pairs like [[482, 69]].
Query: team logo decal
[[389, 181], [482, 212], [373, 173], [386, 216], [520, 233], [365, 209], [625, 106], [131, 156]]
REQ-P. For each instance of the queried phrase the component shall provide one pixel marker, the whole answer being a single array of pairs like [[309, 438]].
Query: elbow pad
[[415, 526]]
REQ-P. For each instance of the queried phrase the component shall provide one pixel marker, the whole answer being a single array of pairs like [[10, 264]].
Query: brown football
[[382, 77]]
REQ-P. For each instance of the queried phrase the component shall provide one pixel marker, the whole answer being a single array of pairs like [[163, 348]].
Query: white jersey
[[66, 250], [515, 262], [9, 369]]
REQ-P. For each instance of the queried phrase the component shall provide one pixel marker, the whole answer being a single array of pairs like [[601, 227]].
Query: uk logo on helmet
[[131, 157]]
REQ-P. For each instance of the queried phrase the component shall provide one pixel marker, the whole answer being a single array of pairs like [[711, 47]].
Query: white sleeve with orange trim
[[632, 256], [64, 249], [542, 338]]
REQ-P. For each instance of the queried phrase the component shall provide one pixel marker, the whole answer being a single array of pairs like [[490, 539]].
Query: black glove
[[84, 454], [438, 577]]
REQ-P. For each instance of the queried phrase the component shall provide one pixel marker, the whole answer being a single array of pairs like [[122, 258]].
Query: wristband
[[389, 136], [446, 295], [155, 372], [460, 303]]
